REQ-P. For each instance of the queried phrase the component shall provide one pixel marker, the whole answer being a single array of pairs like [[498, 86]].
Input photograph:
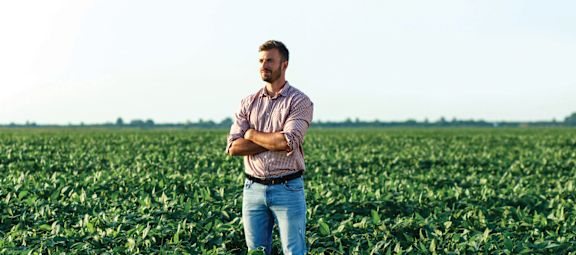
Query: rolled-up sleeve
[[297, 123], [240, 125]]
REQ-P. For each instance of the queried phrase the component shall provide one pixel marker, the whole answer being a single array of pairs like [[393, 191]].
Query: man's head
[[273, 57]]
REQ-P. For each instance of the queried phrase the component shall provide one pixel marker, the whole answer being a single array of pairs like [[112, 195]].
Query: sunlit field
[[369, 191]]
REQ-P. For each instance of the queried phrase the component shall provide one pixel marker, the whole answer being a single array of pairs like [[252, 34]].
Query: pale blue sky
[[93, 61]]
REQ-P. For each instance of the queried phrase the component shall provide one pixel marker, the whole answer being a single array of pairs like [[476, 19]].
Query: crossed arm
[[244, 140], [255, 142]]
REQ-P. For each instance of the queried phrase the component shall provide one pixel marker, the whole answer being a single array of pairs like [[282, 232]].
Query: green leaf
[[45, 227], [176, 238], [433, 246], [375, 217], [22, 194], [145, 232], [447, 224], [398, 249], [551, 245], [485, 235], [324, 229], [508, 244], [90, 227]]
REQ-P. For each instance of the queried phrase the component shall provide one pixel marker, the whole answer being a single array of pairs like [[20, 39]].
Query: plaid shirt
[[290, 112]]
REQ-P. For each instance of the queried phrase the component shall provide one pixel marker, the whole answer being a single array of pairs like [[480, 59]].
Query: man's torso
[[269, 114]]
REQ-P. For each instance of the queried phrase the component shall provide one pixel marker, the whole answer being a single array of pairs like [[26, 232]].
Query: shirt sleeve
[[240, 125], [297, 123]]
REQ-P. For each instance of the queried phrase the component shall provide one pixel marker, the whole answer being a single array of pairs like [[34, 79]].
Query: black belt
[[278, 180]]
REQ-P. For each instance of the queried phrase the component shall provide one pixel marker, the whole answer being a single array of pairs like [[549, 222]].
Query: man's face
[[271, 65]]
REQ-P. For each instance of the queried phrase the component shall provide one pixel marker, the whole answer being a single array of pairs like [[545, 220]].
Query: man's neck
[[274, 88]]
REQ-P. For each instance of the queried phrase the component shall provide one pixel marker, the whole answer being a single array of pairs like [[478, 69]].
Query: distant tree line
[[137, 123], [569, 121]]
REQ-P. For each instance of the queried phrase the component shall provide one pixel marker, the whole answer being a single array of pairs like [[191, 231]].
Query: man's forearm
[[271, 141], [243, 147]]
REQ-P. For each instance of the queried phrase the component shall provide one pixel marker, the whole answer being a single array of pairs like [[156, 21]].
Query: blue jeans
[[284, 204]]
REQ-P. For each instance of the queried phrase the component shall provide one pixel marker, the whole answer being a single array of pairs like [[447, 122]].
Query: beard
[[271, 75]]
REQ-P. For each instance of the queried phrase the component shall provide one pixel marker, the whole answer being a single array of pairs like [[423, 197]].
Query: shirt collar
[[283, 91]]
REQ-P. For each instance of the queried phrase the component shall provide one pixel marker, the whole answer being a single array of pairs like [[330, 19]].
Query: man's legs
[[257, 218], [288, 204]]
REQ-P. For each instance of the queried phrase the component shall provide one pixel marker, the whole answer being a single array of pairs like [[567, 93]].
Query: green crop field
[[380, 191]]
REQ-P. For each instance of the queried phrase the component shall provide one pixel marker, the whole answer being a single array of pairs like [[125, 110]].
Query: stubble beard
[[274, 75]]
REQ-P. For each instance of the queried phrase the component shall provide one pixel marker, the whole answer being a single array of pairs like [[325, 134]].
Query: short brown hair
[[272, 44]]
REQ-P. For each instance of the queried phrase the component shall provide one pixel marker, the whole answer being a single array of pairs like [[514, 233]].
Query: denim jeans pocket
[[294, 185]]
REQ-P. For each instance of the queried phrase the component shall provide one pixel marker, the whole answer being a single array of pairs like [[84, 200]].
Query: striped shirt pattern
[[290, 112]]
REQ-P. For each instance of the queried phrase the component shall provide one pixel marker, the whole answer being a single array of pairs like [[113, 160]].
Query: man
[[268, 130]]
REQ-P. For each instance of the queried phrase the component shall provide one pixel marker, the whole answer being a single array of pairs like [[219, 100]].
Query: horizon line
[[346, 120]]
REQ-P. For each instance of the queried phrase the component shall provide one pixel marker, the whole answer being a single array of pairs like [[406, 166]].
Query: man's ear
[[285, 64]]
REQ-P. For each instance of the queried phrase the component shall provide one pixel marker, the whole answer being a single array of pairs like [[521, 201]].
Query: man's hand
[[249, 134], [271, 141]]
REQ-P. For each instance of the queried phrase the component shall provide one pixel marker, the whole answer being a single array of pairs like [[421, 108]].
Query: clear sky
[[94, 61]]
